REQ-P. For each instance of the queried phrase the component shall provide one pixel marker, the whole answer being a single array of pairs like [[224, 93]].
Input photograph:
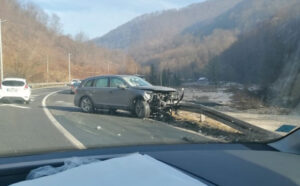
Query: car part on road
[[142, 109], [86, 105]]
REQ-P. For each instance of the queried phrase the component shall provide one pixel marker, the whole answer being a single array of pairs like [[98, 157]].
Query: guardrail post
[[202, 118]]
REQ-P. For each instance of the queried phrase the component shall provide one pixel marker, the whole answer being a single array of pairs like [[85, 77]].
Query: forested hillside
[[153, 29], [267, 55], [185, 40], [250, 42], [30, 35]]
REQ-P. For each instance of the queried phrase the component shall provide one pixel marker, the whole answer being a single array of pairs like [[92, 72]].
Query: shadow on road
[[12, 102], [65, 92], [63, 108], [118, 113]]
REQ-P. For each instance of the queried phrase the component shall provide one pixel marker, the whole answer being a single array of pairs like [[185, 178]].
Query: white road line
[[66, 133]]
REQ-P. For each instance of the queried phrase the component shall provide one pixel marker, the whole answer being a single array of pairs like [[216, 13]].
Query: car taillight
[[26, 86]]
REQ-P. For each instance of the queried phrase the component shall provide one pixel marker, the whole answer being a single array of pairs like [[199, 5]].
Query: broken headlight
[[147, 96]]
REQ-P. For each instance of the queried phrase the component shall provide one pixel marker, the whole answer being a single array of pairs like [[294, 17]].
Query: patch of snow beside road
[[217, 95]]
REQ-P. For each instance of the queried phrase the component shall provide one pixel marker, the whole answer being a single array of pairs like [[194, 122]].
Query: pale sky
[[97, 17]]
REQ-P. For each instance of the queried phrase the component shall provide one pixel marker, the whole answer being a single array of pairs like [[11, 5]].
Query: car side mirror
[[122, 87]]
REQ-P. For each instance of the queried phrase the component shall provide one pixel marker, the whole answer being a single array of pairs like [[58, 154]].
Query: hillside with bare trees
[[30, 36], [187, 39], [248, 42]]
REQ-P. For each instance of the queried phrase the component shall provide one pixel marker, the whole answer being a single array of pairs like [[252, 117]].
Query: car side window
[[101, 83], [89, 83], [115, 82]]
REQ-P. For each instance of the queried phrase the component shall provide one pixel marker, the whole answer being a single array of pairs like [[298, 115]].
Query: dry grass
[[244, 100], [208, 127], [209, 122]]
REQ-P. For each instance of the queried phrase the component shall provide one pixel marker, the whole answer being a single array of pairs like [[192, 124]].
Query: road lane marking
[[64, 131]]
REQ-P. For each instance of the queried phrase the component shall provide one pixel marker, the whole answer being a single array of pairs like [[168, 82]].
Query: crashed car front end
[[163, 101]]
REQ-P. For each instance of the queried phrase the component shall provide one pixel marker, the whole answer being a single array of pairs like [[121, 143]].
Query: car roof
[[93, 77], [14, 79]]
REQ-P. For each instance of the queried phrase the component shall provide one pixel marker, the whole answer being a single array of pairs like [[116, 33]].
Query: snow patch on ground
[[217, 95]]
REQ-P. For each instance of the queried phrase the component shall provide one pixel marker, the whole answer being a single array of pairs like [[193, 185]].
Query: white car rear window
[[12, 83]]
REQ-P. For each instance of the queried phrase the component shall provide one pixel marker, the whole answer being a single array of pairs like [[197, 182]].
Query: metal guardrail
[[52, 84], [242, 126]]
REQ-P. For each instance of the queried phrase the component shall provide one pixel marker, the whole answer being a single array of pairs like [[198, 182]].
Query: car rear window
[[13, 83]]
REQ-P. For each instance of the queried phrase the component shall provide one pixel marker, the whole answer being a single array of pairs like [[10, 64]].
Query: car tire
[[142, 109], [86, 105]]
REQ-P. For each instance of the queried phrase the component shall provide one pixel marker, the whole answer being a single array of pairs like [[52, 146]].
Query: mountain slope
[[153, 29], [243, 16], [251, 42], [30, 35], [267, 55], [190, 37]]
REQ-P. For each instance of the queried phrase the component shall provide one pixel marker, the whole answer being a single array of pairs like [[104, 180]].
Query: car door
[[101, 92], [119, 97]]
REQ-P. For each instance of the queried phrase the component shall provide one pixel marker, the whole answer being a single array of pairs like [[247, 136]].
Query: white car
[[15, 89], [75, 81]]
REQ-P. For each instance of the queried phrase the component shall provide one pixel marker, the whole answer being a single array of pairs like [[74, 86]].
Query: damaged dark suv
[[126, 92]]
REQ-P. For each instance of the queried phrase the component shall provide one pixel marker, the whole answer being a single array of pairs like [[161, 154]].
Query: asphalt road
[[51, 122]]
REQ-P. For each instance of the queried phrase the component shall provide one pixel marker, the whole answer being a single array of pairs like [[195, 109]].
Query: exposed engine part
[[164, 102]]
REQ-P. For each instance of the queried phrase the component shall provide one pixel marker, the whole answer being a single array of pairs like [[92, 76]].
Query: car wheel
[[142, 109], [86, 105]]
